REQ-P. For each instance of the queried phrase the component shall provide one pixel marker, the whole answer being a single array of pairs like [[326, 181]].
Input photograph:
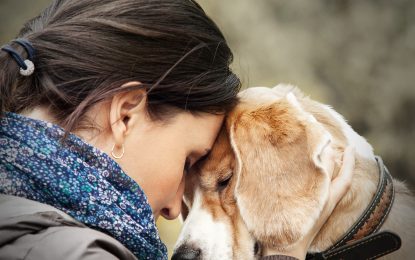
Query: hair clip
[[26, 66]]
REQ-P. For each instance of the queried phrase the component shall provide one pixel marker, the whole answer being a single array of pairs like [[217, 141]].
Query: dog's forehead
[[220, 157], [259, 95]]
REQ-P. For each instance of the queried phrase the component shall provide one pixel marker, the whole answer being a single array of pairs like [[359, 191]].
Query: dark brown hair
[[86, 50]]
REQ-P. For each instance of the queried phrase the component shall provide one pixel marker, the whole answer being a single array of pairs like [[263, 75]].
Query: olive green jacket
[[34, 231]]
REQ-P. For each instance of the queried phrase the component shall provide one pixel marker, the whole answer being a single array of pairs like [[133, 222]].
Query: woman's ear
[[126, 110], [281, 185]]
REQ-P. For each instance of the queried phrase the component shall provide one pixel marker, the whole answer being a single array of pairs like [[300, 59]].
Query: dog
[[266, 179]]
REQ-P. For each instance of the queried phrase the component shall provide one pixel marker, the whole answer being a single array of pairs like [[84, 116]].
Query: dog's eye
[[224, 182]]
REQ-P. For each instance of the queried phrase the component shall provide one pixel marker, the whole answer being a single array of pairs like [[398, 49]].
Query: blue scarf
[[78, 179]]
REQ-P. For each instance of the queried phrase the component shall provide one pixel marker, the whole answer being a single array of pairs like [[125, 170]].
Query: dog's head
[[263, 184]]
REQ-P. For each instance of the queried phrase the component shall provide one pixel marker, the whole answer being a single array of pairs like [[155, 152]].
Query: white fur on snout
[[200, 230]]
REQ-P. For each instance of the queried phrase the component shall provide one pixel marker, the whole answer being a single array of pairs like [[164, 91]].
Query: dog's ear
[[282, 182]]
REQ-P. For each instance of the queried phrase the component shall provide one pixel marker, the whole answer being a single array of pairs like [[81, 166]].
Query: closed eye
[[223, 183]]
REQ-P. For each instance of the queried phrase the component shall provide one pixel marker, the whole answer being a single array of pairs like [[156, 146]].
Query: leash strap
[[370, 247]]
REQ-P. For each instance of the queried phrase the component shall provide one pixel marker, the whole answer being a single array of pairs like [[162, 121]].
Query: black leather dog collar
[[362, 240]]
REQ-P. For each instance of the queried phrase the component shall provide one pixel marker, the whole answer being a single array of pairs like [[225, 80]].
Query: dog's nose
[[185, 252]]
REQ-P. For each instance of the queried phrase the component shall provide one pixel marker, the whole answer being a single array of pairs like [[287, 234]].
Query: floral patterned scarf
[[78, 179]]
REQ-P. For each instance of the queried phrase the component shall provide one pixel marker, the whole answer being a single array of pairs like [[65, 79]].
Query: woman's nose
[[172, 210]]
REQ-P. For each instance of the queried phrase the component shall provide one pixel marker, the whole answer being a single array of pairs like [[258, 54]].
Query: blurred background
[[358, 56]]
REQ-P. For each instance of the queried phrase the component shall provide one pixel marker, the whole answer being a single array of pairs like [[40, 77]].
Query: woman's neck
[[40, 113]]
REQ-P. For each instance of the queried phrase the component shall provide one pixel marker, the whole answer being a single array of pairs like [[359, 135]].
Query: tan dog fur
[[279, 149]]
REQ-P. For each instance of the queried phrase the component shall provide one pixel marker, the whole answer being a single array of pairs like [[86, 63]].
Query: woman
[[116, 102]]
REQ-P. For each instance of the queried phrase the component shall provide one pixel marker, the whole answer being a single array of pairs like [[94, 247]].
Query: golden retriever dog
[[266, 179]]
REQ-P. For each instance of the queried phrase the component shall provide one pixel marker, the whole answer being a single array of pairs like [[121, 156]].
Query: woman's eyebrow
[[199, 155], [204, 154]]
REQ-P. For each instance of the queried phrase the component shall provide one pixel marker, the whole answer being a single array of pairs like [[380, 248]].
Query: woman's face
[[157, 157], [156, 154]]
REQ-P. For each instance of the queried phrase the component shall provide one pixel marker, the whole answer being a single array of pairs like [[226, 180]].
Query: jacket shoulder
[[75, 243], [32, 230]]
